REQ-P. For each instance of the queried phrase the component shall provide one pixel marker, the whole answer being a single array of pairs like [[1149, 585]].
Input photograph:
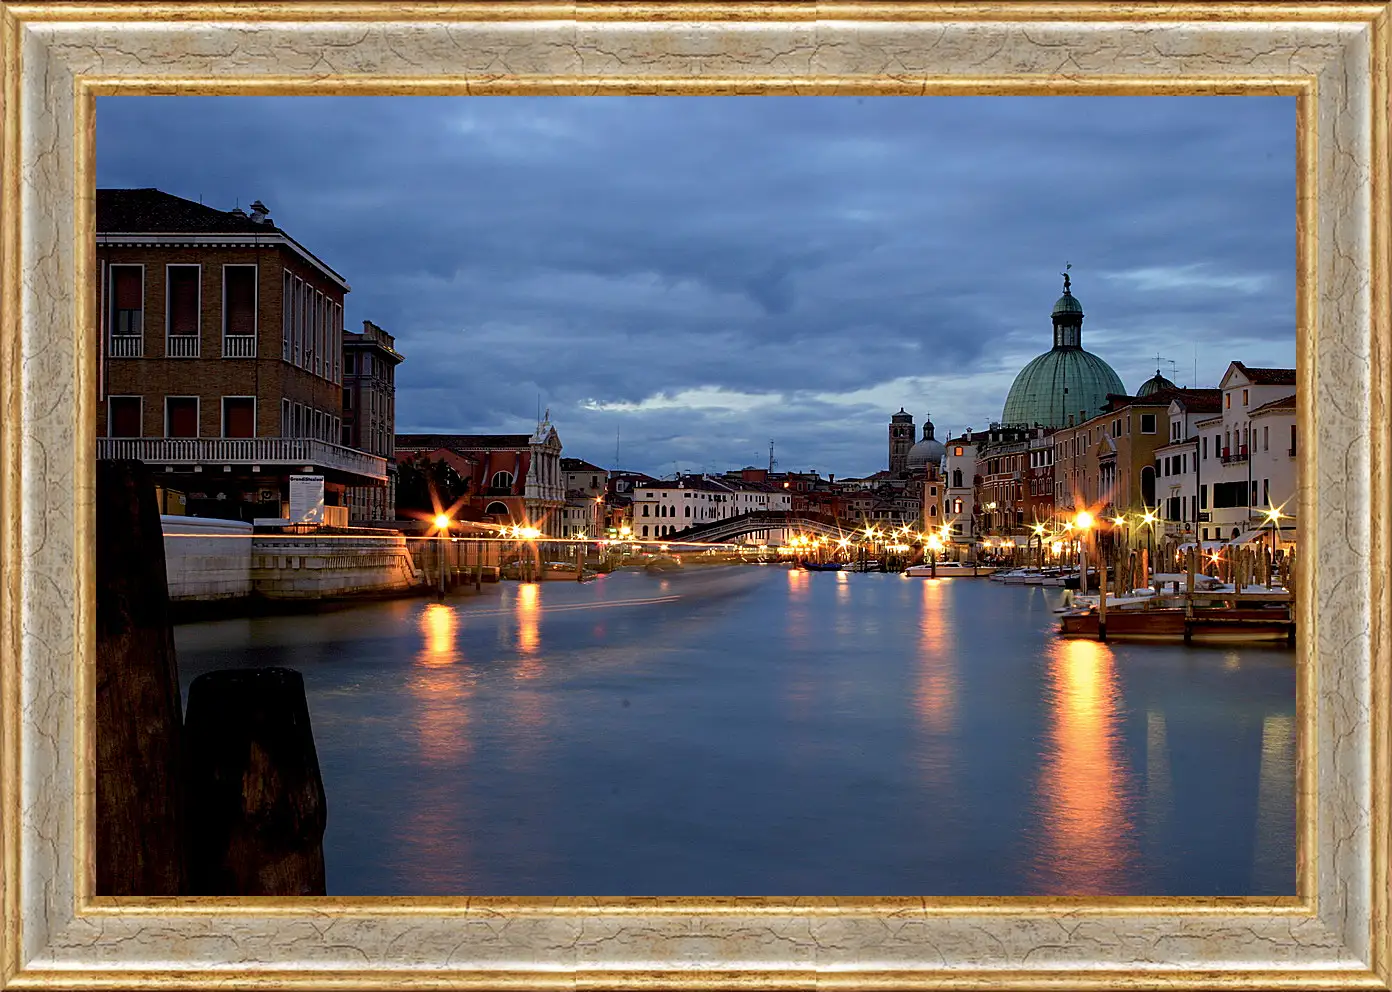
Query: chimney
[[259, 213]]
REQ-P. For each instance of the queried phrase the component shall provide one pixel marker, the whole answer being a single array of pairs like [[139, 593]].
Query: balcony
[[181, 346], [127, 346], [1230, 457], [239, 346], [292, 452]]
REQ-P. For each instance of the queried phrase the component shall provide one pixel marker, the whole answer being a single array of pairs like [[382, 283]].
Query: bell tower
[[901, 439]]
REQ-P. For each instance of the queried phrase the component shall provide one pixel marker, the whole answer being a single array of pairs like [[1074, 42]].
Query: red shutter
[[127, 288], [125, 417], [183, 299], [240, 292], [183, 416], [239, 417]]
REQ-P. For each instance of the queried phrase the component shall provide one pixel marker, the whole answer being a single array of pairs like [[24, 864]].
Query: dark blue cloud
[[703, 274]]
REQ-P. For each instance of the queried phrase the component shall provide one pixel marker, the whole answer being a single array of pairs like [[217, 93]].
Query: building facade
[[370, 359], [220, 355], [516, 478]]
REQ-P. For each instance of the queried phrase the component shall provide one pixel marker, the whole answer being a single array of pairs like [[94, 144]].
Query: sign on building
[[306, 499]]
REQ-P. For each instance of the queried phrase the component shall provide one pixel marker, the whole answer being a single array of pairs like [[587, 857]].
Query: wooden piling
[[139, 808], [256, 800]]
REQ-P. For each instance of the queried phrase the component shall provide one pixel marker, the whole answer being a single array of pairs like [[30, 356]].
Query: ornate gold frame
[[1334, 57]]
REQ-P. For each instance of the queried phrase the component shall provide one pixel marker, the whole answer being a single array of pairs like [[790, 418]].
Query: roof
[[153, 212], [462, 442], [1200, 400], [1060, 382], [1067, 304], [1155, 384], [579, 465], [1275, 406], [1268, 377]]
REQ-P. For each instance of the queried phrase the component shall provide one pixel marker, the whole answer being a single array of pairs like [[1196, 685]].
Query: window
[[688, 511], [127, 310], [1244, 397], [181, 416], [1227, 401], [957, 451], [1147, 423], [123, 416], [347, 399], [1266, 492], [181, 303], [496, 508], [1266, 438], [350, 363], [1204, 441], [645, 513], [502, 480], [932, 511], [285, 418], [1292, 447], [239, 416], [239, 311], [645, 526], [287, 324]]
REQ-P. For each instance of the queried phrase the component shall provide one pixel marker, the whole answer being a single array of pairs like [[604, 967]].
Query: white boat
[[948, 570]]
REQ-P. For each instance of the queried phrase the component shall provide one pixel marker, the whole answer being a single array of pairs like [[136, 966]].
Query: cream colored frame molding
[[56, 58]]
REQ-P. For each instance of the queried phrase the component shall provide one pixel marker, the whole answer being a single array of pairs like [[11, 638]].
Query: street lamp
[[1083, 522], [442, 523], [934, 546]]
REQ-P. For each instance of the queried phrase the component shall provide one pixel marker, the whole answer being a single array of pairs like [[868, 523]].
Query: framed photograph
[[1084, 680]]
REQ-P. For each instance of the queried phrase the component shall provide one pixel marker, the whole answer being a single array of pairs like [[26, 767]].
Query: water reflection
[[528, 625], [441, 686], [935, 698], [1088, 843], [1275, 829]]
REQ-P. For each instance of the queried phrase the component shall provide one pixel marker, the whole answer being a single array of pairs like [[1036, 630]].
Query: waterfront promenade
[[769, 731]]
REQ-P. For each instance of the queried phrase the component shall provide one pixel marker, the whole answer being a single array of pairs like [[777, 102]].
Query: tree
[[426, 486]]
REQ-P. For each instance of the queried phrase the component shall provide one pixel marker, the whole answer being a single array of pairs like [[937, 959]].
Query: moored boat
[[949, 570], [1202, 626]]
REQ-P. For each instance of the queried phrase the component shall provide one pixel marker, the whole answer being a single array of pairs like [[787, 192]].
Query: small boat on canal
[[1205, 626], [827, 566], [949, 570]]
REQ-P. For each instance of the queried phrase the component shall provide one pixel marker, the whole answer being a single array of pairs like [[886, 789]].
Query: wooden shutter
[[238, 417], [240, 299], [182, 293], [183, 416], [126, 287], [125, 417]]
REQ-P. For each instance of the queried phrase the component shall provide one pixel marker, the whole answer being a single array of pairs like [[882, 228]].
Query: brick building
[[369, 414], [515, 478], [220, 355]]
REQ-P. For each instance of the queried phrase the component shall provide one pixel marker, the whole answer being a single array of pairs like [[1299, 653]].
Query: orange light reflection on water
[[1089, 842], [442, 686], [936, 697], [529, 624]]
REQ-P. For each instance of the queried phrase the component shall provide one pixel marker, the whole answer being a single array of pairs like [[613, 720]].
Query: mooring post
[[256, 810], [139, 810]]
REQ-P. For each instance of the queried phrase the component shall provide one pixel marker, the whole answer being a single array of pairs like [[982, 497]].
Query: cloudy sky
[[703, 275]]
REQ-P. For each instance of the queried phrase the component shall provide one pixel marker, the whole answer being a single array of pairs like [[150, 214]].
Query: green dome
[[1155, 384], [1058, 383], [1067, 303]]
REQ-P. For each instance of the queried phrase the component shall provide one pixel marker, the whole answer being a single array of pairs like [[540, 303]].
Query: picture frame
[[1333, 58]]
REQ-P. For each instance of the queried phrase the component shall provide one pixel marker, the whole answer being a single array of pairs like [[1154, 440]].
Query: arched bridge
[[720, 531]]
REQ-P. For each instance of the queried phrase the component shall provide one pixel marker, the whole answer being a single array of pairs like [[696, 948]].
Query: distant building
[[517, 478], [220, 356], [369, 414]]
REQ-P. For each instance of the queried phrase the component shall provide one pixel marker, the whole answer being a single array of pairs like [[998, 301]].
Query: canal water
[[769, 731]]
